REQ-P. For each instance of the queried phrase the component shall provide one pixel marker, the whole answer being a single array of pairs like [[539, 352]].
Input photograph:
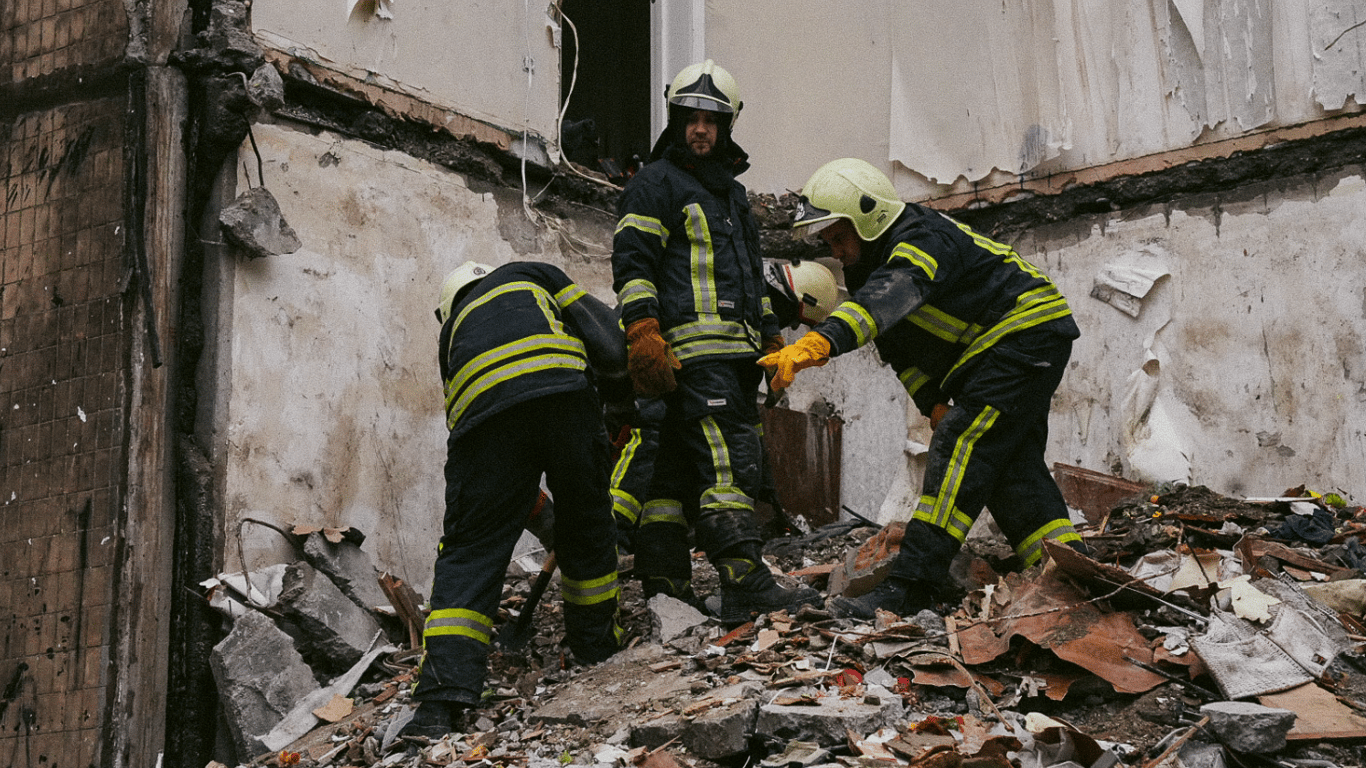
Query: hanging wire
[[575, 244], [573, 79]]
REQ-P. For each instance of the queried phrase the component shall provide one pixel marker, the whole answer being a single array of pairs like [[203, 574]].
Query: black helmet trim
[[808, 212]]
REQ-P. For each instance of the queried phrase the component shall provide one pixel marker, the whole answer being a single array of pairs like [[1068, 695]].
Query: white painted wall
[[333, 414], [498, 62], [942, 94], [1247, 360]]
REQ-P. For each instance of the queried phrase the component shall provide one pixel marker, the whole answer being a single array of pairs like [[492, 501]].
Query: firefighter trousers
[[989, 452], [493, 475]]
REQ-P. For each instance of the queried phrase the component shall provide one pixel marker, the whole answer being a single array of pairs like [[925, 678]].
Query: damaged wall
[[948, 97], [330, 408], [90, 144], [495, 62], [1243, 367]]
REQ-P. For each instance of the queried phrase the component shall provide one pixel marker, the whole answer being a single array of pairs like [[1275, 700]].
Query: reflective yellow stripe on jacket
[[537, 352]]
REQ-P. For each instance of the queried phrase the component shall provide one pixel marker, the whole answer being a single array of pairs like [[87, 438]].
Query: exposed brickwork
[[40, 37], [63, 369]]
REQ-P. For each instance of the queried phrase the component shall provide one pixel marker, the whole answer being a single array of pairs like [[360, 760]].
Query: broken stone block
[[636, 679], [260, 676], [828, 722], [254, 224], [1246, 727], [335, 631], [1198, 755], [266, 88], [348, 567], [672, 617], [714, 728], [868, 565]]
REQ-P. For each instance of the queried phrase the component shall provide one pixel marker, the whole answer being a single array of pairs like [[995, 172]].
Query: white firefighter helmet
[[810, 284], [456, 279], [706, 86]]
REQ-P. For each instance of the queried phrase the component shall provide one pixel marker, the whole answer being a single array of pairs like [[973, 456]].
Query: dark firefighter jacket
[[524, 331], [932, 294], [687, 253]]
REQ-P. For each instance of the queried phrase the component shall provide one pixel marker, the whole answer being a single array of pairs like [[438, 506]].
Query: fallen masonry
[[1201, 631]]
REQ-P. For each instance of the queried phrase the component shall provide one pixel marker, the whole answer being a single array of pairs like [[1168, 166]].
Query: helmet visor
[[695, 101]]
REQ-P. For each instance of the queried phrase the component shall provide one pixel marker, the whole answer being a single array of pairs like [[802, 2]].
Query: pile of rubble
[[1201, 631]]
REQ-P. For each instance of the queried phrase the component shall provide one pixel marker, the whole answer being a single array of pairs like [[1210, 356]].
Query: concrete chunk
[[1246, 727], [335, 631], [828, 721], [616, 691], [254, 224], [260, 676], [714, 728], [266, 88], [672, 617], [347, 565], [865, 567]]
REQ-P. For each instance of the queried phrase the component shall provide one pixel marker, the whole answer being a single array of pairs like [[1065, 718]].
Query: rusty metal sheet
[[1093, 493], [1056, 616], [804, 455]]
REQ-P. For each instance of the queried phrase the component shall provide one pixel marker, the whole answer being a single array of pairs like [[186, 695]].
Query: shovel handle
[[515, 635]]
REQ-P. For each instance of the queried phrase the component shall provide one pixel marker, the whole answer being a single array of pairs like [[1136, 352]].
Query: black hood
[[716, 172]]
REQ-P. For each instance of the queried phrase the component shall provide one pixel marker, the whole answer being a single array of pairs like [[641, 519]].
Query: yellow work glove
[[810, 351], [649, 359]]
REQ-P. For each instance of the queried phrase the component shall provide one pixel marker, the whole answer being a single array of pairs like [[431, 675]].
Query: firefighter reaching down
[[524, 354], [978, 336]]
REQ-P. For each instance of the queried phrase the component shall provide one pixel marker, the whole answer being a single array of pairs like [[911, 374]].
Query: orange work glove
[[772, 344], [810, 350], [937, 414], [649, 359]]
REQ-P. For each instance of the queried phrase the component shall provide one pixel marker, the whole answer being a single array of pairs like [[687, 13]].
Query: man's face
[[701, 132], [844, 242]]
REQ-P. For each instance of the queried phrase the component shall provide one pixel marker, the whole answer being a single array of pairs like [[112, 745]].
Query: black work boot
[[749, 589], [435, 719], [903, 597]]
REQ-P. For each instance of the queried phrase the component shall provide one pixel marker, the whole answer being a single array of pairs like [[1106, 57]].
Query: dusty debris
[[1092, 661]]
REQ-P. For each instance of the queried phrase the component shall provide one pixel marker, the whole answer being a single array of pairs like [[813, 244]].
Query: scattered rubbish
[[1188, 635]]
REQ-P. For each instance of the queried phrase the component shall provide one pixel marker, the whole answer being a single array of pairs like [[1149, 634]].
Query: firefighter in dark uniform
[[521, 350], [979, 338], [799, 293], [687, 272]]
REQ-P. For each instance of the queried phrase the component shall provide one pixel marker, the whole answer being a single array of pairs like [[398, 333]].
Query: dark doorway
[[612, 88]]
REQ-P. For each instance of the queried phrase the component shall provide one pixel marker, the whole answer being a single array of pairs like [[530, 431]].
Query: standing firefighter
[[690, 289], [800, 293], [978, 336], [521, 348]]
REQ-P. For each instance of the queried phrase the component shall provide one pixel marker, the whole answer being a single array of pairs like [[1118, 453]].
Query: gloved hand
[[541, 521], [937, 414], [649, 359], [810, 351], [772, 344]]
